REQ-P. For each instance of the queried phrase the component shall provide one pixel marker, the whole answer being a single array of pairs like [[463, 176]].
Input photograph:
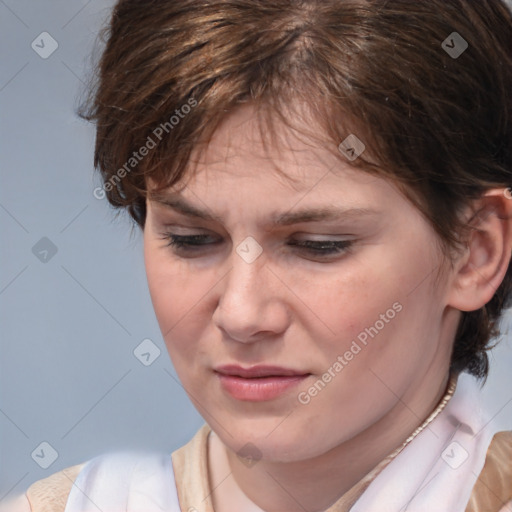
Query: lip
[[258, 371], [258, 383]]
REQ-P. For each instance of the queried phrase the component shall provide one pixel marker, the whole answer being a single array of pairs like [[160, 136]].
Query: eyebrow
[[182, 206]]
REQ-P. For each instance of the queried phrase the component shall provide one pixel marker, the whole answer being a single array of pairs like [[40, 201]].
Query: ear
[[483, 265]]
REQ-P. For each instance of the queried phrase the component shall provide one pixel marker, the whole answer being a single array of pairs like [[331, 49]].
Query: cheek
[[171, 285], [163, 282], [377, 313], [171, 292], [180, 302], [354, 302], [387, 335]]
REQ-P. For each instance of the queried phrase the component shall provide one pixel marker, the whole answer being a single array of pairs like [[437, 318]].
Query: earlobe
[[482, 267]]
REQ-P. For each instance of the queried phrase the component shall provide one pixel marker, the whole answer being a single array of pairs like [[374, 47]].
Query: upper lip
[[257, 371]]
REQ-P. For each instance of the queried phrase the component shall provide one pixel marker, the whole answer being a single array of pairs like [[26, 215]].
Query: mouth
[[258, 383], [259, 371]]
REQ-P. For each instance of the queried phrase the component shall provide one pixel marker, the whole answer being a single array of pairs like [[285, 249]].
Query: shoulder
[[47, 495], [50, 494], [96, 477], [493, 488]]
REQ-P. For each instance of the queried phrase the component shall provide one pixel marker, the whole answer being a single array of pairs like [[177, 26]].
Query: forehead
[[242, 147]]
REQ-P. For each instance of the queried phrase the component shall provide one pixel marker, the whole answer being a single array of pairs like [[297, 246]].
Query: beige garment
[[47, 495], [493, 489]]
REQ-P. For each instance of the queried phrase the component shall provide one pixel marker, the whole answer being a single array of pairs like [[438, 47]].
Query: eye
[[322, 247], [195, 244], [187, 242]]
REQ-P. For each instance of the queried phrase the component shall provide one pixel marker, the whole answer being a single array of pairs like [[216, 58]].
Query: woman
[[323, 192]]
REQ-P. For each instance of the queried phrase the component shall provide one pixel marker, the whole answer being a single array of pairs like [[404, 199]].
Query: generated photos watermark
[[305, 397], [151, 143]]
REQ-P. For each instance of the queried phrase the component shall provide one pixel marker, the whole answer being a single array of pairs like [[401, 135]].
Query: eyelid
[[295, 237], [324, 236]]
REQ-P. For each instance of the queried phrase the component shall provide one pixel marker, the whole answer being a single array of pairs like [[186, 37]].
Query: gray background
[[70, 324]]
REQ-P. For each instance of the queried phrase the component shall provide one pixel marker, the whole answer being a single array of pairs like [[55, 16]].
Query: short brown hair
[[434, 113]]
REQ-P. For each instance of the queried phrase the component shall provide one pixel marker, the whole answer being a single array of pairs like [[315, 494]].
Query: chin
[[281, 444]]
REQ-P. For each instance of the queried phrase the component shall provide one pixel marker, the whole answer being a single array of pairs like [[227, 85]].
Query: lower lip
[[259, 389]]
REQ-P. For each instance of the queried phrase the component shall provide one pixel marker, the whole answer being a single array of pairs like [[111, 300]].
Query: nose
[[252, 300]]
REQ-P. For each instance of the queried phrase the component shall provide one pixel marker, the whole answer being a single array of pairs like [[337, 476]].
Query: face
[[293, 332]]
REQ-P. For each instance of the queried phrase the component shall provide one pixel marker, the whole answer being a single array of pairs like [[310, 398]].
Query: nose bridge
[[248, 270], [248, 303]]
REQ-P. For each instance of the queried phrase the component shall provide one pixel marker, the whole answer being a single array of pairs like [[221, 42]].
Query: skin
[[295, 309]]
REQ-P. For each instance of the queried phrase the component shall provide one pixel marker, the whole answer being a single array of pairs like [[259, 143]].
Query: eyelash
[[322, 248]]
